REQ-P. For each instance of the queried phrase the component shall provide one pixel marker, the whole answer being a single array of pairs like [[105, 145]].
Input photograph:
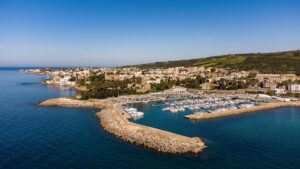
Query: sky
[[107, 33]]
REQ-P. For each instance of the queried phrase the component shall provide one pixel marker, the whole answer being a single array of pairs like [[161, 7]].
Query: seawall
[[115, 121], [266, 106]]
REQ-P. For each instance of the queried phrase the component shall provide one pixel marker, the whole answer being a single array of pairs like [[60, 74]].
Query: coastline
[[266, 106], [115, 121]]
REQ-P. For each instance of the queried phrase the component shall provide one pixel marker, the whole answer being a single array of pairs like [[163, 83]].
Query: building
[[177, 89], [144, 87], [140, 88], [277, 78], [263, 96], [112, 77], [294, 88], [270, 85], [281, 90]]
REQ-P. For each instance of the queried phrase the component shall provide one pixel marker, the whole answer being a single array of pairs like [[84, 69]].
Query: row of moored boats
[[206, 105]]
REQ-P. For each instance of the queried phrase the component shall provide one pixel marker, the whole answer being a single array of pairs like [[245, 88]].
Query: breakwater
[[265, 106], [115, 121]]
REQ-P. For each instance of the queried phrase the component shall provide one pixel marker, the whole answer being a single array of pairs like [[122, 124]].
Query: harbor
[[116, 113], [202, 105], [114, 119]]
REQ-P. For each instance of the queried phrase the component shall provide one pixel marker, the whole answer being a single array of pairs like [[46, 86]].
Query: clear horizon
[[114, 33]]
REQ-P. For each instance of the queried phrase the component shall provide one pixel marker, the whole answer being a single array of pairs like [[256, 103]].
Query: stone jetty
[[114, 120], [262, 107]]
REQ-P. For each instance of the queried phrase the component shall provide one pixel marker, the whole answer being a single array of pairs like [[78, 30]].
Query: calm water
[[33, 137]]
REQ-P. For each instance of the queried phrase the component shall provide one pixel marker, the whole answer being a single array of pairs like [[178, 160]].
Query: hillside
[[278, 62]]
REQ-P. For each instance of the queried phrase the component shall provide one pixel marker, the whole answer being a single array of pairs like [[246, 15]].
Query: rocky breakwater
[[262, 107], [115, 121]]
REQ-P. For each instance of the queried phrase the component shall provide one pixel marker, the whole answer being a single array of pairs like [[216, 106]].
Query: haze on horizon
[[118, 32]]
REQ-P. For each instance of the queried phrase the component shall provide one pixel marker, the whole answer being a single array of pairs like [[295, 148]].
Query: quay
[[232, 112], [114, 120]]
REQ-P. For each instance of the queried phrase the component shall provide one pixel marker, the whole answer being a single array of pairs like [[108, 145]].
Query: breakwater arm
[[265, 106], [115, 121]]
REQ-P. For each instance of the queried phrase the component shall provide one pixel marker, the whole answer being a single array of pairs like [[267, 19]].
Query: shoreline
[[114, 119], [266, 106]]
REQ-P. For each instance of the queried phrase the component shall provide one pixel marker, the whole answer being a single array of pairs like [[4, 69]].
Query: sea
[[35, 137]]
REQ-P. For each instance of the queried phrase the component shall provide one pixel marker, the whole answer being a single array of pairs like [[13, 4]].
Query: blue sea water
[[34, 137]]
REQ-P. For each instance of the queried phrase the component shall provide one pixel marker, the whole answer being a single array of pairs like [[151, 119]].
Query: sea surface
[[34, 137]]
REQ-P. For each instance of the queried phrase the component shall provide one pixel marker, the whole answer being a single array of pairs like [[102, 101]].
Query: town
[[113, 82]]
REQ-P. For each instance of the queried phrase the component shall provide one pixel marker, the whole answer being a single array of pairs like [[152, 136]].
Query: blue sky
[[121, 32]]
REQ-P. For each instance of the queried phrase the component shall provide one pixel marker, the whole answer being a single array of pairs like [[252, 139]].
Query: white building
[[294, 88], [281, 90], [177, 89], [278, 78], [263, 96]]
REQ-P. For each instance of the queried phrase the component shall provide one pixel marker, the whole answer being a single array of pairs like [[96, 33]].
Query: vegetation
[[231, 84], [100, 88], [192, 83], [278, 62], [72, 79], [188, 83], [164, 85], [270, 93], [297, 95]]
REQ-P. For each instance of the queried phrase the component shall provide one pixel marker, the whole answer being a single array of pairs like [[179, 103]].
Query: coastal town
[[150, 84], [202, 90], [141, 81], [205, 93]]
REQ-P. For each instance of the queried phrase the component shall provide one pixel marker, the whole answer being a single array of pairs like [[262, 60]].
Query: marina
[[206, 105]]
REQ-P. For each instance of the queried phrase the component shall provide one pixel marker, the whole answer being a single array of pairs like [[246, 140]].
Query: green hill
[[277, 62]]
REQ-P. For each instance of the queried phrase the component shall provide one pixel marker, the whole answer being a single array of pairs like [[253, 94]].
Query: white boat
[[246, 105], [137, 114], [134, 113]]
